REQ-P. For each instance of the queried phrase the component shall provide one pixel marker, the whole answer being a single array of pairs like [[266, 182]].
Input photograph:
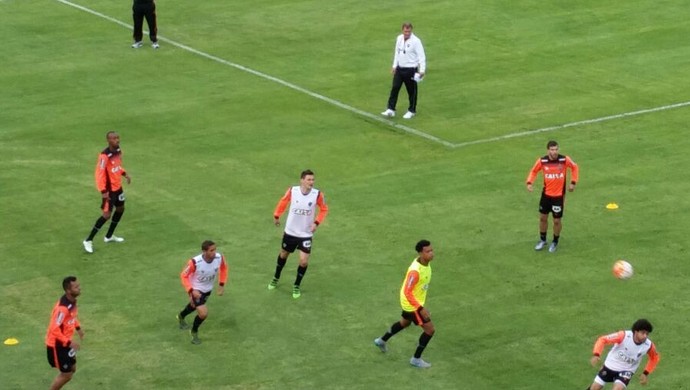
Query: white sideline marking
[[334, 102], [378, 118], [572, 124]]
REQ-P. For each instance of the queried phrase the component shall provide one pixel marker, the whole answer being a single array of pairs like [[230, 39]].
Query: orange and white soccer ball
[[622, 270]]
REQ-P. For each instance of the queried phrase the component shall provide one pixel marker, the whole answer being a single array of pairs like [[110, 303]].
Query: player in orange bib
[[554, 167], [108, 175], [61, 347]]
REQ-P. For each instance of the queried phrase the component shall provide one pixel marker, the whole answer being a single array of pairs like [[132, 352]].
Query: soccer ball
[[622, 269]]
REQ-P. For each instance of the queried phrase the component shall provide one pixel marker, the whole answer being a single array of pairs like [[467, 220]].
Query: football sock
[[99, 224], [197, 324], [279, 267], [395, 328], [187, 309], [113, 224], [300, 274], [423, 341], [542, 236], [555, 239]]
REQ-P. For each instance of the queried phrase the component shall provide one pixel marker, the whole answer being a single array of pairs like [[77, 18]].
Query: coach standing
[[144, 9], [409, 66]]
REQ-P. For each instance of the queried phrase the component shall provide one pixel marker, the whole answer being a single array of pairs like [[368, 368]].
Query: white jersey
[[205, 274], [626, 355], [302, 212], [409, 53]]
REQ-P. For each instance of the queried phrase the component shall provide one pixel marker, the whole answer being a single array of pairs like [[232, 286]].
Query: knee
[[304, 259], [429, 329]]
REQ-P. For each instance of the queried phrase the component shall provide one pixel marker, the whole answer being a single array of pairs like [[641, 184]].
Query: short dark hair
[[66, 282], [306, 173], [207, 244], [551, 144], [407, 24], [108, 134], [642, 324], [421, 245]]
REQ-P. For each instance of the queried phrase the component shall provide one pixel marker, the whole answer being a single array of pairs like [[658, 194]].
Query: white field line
[[334, 102], [572, 124], [375, 117]]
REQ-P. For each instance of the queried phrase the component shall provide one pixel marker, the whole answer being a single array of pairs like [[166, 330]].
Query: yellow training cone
[[612, 206], [11, 341]]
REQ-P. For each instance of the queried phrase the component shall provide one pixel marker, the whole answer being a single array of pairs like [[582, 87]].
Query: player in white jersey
[[198, 278], [624, 358], [302, 221]]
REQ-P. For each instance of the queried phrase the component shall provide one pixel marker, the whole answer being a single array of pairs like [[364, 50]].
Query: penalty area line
[[572, 124], [282, 82]]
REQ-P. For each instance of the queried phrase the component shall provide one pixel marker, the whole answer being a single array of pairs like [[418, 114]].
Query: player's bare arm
[[594, 361]]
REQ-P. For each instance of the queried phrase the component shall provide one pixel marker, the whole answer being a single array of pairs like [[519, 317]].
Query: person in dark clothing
[[144, 9]]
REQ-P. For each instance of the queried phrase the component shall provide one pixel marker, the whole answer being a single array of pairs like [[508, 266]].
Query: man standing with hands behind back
[[409, 66]]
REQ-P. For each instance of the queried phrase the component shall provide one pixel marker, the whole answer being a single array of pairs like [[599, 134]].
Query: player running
[[624, 358]]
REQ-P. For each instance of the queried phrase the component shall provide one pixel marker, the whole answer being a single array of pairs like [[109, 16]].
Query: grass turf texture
[[211, 149]]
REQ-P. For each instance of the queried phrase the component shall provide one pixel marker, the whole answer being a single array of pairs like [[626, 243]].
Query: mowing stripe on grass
[[375, 117], [334, 102]]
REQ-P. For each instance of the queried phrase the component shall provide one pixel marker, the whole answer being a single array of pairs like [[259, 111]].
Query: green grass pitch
[[211, 148]]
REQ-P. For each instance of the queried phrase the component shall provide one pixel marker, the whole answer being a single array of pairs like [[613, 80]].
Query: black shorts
[[607, 375], [115, 199], [290, 243], [202, 299], [415, 317], [62, 358], [550, 204]]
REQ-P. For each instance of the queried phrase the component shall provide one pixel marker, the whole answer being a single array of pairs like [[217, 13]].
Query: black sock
[[555, 239], [197, 324], [423, 341], [280, 263], [99, 224], [542, 236], [300, 274], [395, 328], [187, 309], [113, 224]]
